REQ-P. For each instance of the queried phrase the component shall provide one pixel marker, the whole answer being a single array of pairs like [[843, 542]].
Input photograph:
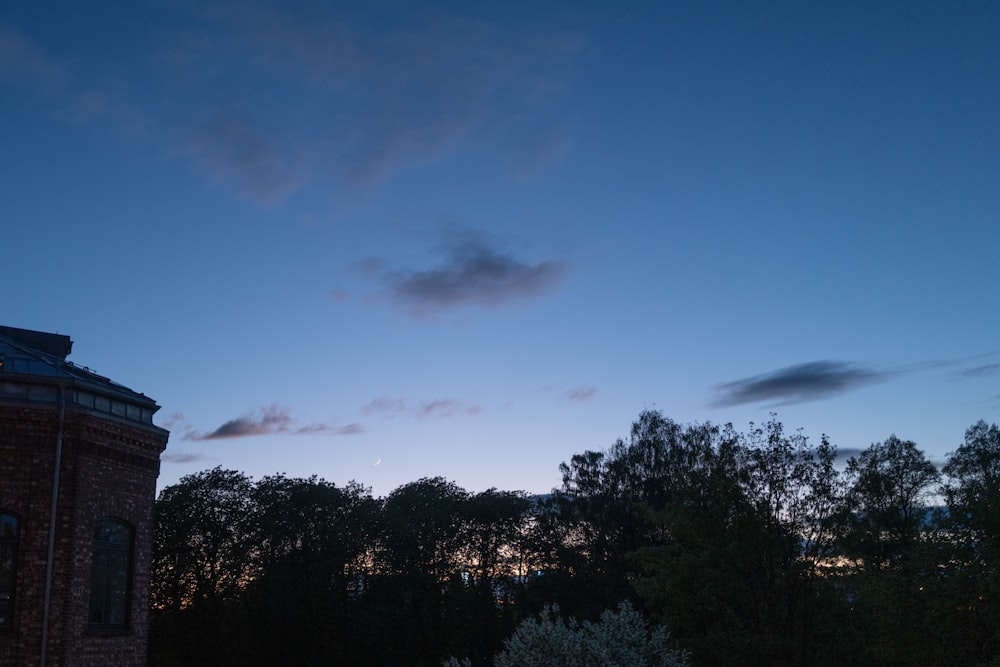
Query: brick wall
[[108, 469]]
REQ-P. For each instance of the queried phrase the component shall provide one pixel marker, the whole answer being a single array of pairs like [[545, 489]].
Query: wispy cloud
[[581, 394], [177, 424], [985, 370], [24, 64], [230, 149], [353, 428], [173, 420], [390, 408], [472, 273], [183, 457], [29, 66], [810, 381], [339, 295], [272, 97], [267, 421]]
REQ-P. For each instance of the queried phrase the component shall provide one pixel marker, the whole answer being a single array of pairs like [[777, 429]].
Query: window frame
[[109, 606], [9, 545]]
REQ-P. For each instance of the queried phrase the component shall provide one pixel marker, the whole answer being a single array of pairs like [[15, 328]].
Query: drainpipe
[[52, 526]]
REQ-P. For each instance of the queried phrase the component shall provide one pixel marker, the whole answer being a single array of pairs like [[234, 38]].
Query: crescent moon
[[377, 461]]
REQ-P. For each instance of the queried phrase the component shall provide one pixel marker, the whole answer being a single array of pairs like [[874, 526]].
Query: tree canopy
[[756, 546]]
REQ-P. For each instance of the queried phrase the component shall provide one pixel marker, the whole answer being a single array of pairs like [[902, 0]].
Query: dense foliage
[[754, 547], [618, 639]]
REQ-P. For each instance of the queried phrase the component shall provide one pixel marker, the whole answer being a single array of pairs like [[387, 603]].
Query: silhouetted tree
[[972, 493], [890, 571], [744, 522], [418, 572], [314, 539], [752, 547], [794, 490], [970, 554], [887, 502], [493, 555], [202, 558], [605, 499]]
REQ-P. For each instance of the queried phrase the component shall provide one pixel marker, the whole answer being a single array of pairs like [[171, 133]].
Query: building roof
[[30, 361], [57, 345]]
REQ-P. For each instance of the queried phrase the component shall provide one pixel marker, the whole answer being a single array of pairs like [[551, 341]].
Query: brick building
[[79, 458]]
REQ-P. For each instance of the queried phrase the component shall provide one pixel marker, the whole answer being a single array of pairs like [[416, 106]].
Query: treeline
[[752, 547]]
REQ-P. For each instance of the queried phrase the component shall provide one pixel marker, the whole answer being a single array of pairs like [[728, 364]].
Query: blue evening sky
[[472, 239]]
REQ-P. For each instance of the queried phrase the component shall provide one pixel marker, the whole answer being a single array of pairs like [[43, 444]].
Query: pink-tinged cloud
[[386, 407], [183, 457], [270, 420], [330, 429], [446, 408], [351, 429], [390, 408], [581, 394]]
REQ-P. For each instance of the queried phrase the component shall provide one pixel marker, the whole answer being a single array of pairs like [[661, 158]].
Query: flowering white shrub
[[619, 639]]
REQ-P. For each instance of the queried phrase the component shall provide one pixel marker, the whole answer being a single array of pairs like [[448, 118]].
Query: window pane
[[8, 553], [117, 588], [8, 526], [112, 532], [99, 588], [109, 584]]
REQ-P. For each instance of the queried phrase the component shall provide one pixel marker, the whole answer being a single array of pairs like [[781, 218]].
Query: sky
[[383, 241]]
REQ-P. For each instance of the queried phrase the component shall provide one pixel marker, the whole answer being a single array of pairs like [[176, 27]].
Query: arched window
[[111, 574], [8, 568]]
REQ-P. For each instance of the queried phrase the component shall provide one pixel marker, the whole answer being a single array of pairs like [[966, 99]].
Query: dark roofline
[[34, 370], [24, 360], [56, 345]]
